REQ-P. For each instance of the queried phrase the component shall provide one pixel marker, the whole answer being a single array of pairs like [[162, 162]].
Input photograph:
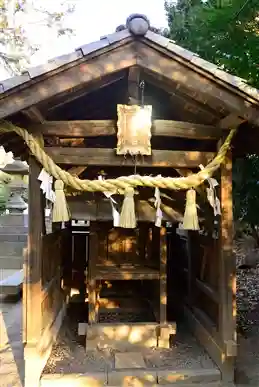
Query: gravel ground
[[247, 291], [69, 355]]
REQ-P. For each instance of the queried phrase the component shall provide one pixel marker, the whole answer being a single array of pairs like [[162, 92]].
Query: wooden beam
[[231, 121], [185, 130], [105, 157], [92, 128], [34, 115], [201, 87], [83, 91], [178, 96], [89, 128], [81, 73]]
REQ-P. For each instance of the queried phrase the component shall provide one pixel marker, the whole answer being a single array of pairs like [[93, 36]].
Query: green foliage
[[246, 189], [225, 32], [17, 20]]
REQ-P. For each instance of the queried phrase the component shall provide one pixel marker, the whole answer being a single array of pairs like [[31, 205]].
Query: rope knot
[[59, 185]]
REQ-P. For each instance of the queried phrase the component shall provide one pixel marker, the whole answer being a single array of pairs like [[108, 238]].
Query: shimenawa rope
[[123, 182]]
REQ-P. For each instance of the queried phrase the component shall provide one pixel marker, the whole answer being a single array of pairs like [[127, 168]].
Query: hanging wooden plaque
[[134, 130]]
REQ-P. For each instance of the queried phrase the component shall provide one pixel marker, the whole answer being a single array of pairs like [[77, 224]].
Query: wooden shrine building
[[70, 106]]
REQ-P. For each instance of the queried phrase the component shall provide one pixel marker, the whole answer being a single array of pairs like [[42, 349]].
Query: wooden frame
[[93, 128]]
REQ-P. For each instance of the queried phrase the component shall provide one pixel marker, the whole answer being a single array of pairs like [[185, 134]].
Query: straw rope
[[123, 182]]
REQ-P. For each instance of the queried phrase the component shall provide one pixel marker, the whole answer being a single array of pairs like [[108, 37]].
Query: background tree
[[225, 32], [17, 18]]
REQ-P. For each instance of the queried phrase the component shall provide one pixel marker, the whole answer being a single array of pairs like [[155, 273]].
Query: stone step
[[131, 378], [11, 262], [12, 248], [13, 230], [11, 281], [9, 237]]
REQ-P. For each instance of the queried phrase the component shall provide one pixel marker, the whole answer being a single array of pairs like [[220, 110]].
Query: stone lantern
[[18, 187]]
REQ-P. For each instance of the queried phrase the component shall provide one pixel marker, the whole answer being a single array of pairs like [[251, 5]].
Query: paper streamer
[[46, 185], [5, 157], [212, 195], [115, 213], [159, 213]]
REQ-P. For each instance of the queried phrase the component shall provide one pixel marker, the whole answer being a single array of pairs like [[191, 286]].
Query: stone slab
[[129, 360], [12, 248], [121, 336], [164, 335], [15, 237], [82, 327], [93, 379], [132, 378], [188, 376]]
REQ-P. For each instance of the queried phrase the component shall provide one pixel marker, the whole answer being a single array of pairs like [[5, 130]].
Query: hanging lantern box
[[134, 130]]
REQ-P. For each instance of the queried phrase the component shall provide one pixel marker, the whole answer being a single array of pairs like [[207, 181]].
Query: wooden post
[[227, 275], [163, 276], [33, 264], [92, 286], [190, 269]]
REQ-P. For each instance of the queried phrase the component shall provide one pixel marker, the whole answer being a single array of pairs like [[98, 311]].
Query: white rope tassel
[[60, 208], [190, 219], [128, 216], [159, 213]]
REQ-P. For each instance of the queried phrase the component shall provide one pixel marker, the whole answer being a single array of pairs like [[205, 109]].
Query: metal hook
[[142, 87]]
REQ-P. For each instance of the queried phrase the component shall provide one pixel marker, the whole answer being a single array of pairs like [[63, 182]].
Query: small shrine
[[130, 142]]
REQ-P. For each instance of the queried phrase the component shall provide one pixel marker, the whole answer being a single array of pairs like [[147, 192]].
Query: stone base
[[128, 336], [14, 220]]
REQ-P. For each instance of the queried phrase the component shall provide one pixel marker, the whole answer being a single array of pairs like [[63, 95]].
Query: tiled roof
[[126, 34]]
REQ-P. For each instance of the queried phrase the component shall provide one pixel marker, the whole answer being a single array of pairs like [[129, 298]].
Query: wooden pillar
[[163, 276], [92, 285], [33, 262], [227, 274]]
